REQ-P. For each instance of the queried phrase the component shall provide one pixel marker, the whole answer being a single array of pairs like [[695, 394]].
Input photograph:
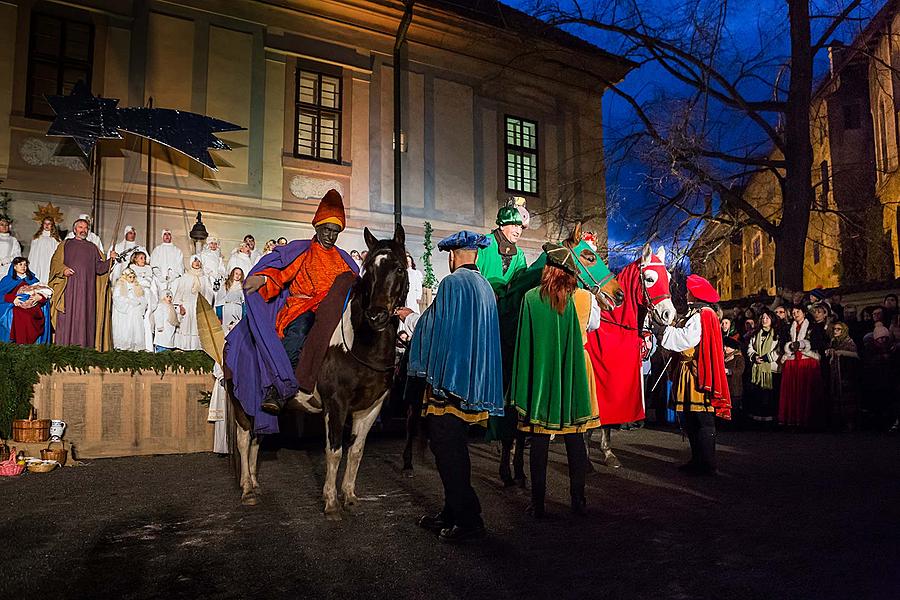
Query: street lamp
[[198, 234]]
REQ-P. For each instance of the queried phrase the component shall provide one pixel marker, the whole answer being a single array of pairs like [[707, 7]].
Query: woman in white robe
[[241, 257], [193, 283], [127, 242], [230, 300], [129, 309], [415, 284], [43, 245], [213, 263], [144, 273]]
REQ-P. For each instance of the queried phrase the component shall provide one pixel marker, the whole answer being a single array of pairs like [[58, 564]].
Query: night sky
[[751, 27]]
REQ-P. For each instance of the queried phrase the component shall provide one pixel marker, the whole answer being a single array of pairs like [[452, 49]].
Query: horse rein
[[350, 350]]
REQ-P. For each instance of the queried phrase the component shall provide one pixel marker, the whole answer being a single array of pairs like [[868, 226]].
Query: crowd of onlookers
[[154, 293], [809, 361]]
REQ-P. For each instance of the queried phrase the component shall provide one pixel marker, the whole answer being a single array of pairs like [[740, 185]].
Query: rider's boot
[[273, 402]]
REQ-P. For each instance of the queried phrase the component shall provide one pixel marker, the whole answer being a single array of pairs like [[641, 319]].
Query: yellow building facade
[[484, 120]]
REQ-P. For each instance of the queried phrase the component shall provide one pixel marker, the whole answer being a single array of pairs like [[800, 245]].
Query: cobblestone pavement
[[790, 516]]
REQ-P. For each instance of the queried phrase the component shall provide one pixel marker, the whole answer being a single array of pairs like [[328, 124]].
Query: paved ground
[[791, 516]]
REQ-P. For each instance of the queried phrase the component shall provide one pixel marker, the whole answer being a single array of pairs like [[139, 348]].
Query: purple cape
[[254, 352]]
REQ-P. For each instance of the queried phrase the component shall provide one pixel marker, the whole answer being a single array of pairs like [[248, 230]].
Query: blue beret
[[464, 240]]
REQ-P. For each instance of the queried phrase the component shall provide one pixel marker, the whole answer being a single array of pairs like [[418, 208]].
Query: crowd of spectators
[[809, 361], [154, 295]]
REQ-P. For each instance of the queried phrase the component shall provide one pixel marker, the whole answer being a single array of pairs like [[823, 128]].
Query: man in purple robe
[[79, 276]]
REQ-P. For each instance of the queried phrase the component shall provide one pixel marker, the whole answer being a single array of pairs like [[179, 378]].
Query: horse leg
[[414, 397], [362, 423], [254, 462], [248, 493], [333, 433], [609, 459], [587, 450]]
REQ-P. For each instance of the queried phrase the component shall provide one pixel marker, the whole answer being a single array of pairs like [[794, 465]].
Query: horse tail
[[231, 425]]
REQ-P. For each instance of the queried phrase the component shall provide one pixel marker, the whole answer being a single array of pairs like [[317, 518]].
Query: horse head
[[655, 283], [593, 272], [384, 283]]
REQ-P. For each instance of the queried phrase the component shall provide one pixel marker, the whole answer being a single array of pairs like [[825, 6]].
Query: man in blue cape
[[282, 294], [456, 349]]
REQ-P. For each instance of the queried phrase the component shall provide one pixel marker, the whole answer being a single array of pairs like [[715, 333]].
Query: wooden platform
[[119, 414]]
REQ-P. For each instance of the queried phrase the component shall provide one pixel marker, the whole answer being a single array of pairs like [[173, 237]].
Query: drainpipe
[[399, 41]]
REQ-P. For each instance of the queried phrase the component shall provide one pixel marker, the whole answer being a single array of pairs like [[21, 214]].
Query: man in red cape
[[700, 390]]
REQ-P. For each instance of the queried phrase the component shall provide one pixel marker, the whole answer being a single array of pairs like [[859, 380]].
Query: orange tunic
[[308, 278]]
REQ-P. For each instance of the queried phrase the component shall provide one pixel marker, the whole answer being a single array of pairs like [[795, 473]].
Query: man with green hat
[[502, 259]]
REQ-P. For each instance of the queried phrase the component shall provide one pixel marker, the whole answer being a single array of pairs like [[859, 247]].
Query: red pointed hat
[[701, 289], [331, 210]]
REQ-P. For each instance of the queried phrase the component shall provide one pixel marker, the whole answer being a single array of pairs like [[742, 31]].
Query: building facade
[[489, 112]]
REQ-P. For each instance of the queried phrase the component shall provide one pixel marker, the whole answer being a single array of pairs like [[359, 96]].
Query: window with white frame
[[318, 105], [521, 156]]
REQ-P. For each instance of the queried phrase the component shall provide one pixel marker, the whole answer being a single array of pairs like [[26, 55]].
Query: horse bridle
[[347, 347], [650, 301], [598, 285]]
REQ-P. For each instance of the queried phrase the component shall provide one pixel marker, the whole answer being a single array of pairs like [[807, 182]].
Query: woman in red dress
[[801, 380], [24, 317]]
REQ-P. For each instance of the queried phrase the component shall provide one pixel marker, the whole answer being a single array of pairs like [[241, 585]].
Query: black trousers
[[295, 335], [576, 455], [700, 428], [449, 444]]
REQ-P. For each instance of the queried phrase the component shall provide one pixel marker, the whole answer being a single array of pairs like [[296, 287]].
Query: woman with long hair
[[415, 284], [550, 385], [764, 354], [230, 300], [43, 245]]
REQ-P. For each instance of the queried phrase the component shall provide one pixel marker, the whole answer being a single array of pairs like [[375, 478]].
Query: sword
[[661, 375]]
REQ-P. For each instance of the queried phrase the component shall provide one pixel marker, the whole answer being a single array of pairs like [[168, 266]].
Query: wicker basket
[[59, 454], [9, 467], [41, 467], [30, 431]]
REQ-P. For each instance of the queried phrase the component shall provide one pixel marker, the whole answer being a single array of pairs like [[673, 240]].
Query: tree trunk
[[790, 242]]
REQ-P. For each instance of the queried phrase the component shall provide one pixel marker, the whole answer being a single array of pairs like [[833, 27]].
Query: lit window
[[521, 156], [60, 53], [817, 251], [318, 116]]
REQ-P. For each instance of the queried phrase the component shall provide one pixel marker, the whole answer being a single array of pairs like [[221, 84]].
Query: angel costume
[[230, 305], [129, 308], [168, 263], [193, 283], [238, 259], [151, 293], [214, 264], [121, 247], [40, 253], [9, 249]]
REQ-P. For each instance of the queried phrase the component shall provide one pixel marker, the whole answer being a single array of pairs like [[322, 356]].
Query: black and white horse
[[355, 377]]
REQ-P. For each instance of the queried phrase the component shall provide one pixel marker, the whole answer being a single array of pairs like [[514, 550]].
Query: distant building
[[483, 121]]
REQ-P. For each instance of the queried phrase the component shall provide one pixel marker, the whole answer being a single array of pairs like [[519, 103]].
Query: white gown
[[187, 337], [40, 254], [118, 267], [232, 303], [168, 265], [217, 411], [415, 289], [165, 325], [239, 259], [213, 266], [151, 293], [129, 309], [9, 249]]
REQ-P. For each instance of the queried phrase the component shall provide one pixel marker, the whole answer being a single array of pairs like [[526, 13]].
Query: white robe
[[168, 265], [187, 337], [9, 249], [217, 411], [151, 293], [415, 289], [213, 266], [39, 255], [128, 317], [118, 267], [165, 325], [92, 238], [239, 259], [232, 303]]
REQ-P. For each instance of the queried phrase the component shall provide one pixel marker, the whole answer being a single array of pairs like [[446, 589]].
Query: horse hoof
[[250, 499], [333, 515], [351, 500], [611, 461]]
